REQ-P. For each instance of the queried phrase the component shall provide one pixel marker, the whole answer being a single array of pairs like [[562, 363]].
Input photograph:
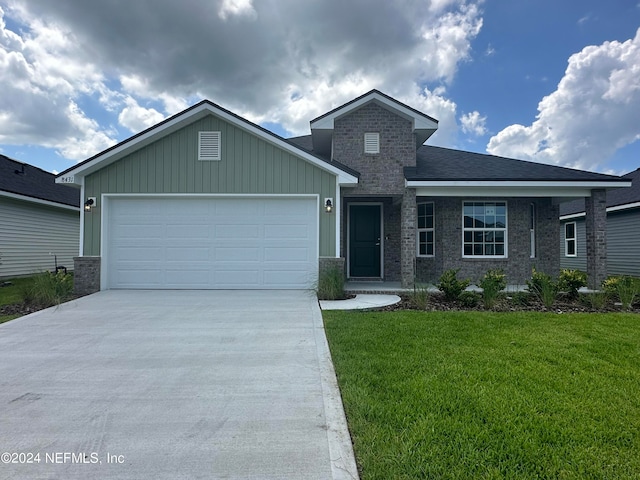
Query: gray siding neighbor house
[[39, 220], [622, 230], [207, 199]]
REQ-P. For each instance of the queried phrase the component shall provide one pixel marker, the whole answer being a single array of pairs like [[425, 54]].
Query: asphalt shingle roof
[[24, 179], [442, 164], [615, 197]]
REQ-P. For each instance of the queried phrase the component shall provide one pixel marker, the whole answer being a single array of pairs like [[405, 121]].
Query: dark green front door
[[364, 241]]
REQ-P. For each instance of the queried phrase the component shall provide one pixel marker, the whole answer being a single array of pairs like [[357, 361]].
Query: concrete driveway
[[172, 384]]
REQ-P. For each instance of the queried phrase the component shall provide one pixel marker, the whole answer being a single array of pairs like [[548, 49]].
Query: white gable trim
[[420, 122], [180, 120]]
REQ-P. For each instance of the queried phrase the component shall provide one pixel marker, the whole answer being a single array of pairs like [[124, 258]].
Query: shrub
[[596, 300], [610, 285], [419, 297], [47, 289], [570, 281], [469, 299], [330, 284], [521, 299], [493, 282], [627, 291], [543, 286], [451, 286]]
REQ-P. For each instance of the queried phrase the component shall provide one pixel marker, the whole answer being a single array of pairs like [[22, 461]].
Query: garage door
[[203, 243]]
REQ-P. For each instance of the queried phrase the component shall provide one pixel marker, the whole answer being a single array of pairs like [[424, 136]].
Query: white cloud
[[75, 68], [592, 113], [236, 8], [473, 123], [137, 118]]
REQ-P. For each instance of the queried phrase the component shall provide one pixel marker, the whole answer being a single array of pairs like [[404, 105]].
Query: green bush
[[451, 286], [521, 299], [570, 281], [493, 282], [469, 299], [47, 289], [330, 284], [419, 297], [596, 300], [543, 286], [627, 291]]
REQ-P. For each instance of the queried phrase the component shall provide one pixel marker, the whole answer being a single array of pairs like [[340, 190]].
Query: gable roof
[[618, 197], [322, 127], [195, 112], [20, 180]]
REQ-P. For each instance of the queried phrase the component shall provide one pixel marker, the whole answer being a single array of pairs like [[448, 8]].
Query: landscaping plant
[[451, 286], [543, 286], [419, 297], [331, 284], [47, 289], [627, 291], [571, 281], [493, 282]]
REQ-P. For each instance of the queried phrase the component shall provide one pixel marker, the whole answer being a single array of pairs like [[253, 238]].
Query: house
[[207, 199], [623, 221], [39, 220]]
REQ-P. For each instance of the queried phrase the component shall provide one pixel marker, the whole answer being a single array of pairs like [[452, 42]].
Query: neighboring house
[[622, 233], [207, 199], [39, 220]]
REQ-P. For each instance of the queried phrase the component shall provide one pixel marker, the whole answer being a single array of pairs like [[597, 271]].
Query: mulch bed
[[436, 302]]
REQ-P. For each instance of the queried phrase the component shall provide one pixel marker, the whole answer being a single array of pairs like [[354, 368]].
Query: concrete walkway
[[172, 385], [360, 302]]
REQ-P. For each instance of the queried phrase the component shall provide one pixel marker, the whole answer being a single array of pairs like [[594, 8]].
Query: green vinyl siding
[[249, 165], [578, 262]]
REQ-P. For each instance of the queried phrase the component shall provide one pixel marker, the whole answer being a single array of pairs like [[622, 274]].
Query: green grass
[[12, 294], [464, 395]]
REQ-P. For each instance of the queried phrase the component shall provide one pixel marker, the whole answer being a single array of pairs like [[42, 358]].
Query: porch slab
[[360, 302]]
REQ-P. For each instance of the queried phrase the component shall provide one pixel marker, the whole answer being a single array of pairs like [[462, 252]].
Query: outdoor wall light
[[328, 205], [89, 204]]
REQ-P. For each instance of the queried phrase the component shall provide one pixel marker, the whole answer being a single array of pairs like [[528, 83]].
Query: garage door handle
[[378, 244]]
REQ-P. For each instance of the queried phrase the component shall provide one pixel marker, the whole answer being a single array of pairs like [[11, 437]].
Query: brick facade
[[380, 174], [517, 265], [86, 275]]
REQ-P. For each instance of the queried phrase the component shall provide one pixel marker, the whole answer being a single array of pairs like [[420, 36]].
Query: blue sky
[[548, 81]]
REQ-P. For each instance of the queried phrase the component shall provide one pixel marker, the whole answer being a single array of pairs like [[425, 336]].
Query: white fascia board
[[617, 208], [39, 201], [74, 176], [456, 188], [419, 122], [572, 216]]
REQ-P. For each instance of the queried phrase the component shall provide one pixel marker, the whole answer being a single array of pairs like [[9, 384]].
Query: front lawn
[[490, 395]]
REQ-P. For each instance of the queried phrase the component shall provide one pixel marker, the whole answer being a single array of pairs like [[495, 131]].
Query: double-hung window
[[426, 227], [484, 229], [570, 241]]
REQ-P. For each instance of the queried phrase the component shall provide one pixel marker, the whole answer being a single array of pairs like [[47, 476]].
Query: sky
[[550, 81]]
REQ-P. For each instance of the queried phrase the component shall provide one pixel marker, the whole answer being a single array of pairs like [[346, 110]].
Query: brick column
[[408, 238], [596, 227], [86, 275]]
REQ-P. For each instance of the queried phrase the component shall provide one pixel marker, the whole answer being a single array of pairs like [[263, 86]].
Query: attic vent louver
[[371, 143], [209, 146]]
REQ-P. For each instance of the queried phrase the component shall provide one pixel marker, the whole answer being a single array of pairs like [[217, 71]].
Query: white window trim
[[505, 230], [432, 229], [210, 140], [574, 240], [533, 212], [372, 143]]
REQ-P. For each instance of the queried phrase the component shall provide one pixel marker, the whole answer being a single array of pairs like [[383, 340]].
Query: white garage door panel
[[176, 243]]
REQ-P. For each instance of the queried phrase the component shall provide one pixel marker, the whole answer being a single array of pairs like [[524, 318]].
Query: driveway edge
[[343, 462]]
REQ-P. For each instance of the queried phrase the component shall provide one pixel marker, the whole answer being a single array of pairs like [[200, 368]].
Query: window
[[425, 230], [371, 143], [570, 240], [532, 230], [484, 229], [209, 146]]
